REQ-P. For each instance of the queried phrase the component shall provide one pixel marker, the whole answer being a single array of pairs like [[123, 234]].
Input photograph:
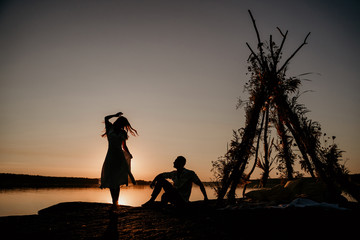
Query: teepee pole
[[296, 51], [246, 144], [286, 148], [266, 149], [291, 121]]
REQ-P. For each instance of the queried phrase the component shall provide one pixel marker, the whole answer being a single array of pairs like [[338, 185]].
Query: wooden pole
[[286, 148], [245, 146], [256, 155]]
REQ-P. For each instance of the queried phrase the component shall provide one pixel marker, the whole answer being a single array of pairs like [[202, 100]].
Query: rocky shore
[[82, 220]]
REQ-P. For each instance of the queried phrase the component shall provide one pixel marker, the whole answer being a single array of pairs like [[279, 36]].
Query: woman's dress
[[116, 167]]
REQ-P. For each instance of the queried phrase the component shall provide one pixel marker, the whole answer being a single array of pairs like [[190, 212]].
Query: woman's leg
[[115, 192]]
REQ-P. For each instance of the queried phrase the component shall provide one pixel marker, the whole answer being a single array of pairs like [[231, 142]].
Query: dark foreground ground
[[81, 220]]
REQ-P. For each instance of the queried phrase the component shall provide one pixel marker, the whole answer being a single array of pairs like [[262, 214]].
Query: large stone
[[276, 194], [305, 188], [308, 188]]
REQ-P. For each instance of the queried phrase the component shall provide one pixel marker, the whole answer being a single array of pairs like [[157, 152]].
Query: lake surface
[[30, 201]]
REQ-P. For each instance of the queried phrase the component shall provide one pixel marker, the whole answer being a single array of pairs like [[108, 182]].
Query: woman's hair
[[123, 123]]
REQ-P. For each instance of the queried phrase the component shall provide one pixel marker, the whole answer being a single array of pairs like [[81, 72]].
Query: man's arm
[[152, 184], [202, 188], [164, 175], [198, 182]]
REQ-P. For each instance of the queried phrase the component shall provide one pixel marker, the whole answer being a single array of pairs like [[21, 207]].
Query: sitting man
[[179, 193]]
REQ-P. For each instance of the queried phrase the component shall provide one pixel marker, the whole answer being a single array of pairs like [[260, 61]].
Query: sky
[[174, 68]]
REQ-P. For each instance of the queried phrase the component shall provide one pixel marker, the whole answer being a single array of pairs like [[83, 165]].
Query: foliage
[[224, 165], [265, 166], [332, 158], [274, 96]]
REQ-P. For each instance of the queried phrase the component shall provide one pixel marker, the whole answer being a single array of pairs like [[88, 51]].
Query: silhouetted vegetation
[[273, 104]]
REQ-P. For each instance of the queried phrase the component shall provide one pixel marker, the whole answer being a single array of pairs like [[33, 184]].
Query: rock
[[308, 188], [305, 188], [81, 220], [276, 194]]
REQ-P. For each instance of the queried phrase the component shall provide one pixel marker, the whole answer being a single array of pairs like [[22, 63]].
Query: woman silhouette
[[116, 167]]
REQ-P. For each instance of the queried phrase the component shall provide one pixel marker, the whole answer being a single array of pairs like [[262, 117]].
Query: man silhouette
[[179, 193]]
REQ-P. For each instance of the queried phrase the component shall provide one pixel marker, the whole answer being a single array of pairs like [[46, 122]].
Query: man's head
[[179, 162]]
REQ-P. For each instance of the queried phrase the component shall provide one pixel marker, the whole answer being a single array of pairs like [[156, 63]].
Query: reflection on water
[[30, 201]]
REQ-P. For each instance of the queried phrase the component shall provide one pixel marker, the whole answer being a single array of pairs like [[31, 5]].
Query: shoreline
[[14, 181], [84, 220]]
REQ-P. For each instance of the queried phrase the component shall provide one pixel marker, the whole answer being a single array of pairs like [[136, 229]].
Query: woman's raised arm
[[113, 115]]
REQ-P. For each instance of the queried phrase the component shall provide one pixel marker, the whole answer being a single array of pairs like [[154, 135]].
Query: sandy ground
[[81, 220]]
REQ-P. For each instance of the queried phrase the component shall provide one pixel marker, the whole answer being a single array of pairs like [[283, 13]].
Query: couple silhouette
[[116, 169]]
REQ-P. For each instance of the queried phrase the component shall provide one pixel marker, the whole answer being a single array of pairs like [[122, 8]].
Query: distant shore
[[10, 180]]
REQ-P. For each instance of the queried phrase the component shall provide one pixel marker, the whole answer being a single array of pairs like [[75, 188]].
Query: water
[[30, 201]]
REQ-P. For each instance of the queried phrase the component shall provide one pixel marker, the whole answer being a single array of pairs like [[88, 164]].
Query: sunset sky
[[174, 68]]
